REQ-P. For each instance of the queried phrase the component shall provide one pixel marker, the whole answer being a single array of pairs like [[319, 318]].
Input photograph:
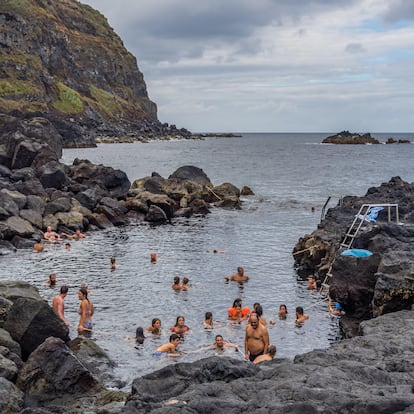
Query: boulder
[[90, 197], [34, 202], [156, 215], [31, 187], [114, 183], [100, 221], [8, 204], [246, 191], [52, 175], [31, 321], [95, 359], [53, 372], [136, 205], [8, 369], [72, 220], [8, 342], [61, 204], [22, 243], [18, 226], [191, 173], [19, 198], [32, 216], [11, 398], [24, 154]]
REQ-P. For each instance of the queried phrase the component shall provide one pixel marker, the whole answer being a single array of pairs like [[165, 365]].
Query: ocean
[[290, 174]]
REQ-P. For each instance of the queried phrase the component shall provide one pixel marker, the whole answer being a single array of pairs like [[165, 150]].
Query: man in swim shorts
[[256, 340]]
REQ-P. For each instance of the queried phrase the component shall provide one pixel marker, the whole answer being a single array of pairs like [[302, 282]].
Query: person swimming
[[170, 348], [176, 283], [155, 327], [180, 327]]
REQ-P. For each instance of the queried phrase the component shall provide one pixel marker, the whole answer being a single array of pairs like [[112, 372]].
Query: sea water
[[289, 174]]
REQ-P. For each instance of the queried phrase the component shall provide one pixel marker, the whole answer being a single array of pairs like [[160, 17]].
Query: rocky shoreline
[[370, 286], [43, 371], [36, 190]]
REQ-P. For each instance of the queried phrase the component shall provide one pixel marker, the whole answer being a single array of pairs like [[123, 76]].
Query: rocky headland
[[60, 59]]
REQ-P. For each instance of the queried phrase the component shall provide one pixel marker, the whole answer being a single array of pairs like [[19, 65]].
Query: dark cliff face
[[61, 58]]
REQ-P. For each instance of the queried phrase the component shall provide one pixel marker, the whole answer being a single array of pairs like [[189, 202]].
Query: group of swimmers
[[51, 236]]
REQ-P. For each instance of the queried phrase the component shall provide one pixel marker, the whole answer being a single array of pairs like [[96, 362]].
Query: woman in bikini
[[85, 311], [180, 327]]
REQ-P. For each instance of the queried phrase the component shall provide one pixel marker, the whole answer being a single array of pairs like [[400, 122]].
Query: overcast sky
[[273, 65]]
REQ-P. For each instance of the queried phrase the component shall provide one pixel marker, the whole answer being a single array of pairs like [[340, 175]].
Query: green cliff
[[62, 60]]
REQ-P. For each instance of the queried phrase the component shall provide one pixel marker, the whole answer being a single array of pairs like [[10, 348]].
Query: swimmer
[[155, 327], [215, 251], [51, 235], [209, 322], [51, 282], [239, 277], [180, 327], [259, 312], [184, 285], [300, 316], [236, 312], [153, 257], [112, 263], [77, 235], [67, 246], [220, 344], [38, 247], [139, 336], [176, 285], [86, 311], [268, 356], [171, 347], [337, 310], [311, 283], [282, 312]]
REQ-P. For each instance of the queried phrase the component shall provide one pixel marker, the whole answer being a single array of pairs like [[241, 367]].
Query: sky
[[273, 65]]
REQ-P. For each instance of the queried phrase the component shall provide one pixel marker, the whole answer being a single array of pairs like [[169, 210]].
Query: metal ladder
[[361, 218]]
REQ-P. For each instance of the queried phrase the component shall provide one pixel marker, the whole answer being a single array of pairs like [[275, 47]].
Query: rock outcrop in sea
[[346, 137], [36, 190], [368, 286], [61, 60]]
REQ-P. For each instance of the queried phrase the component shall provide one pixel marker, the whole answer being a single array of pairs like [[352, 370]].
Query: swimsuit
[[158, 354], [88, 325], [252, 357]]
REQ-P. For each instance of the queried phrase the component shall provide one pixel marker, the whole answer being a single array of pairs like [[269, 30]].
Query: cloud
[[272, 64]]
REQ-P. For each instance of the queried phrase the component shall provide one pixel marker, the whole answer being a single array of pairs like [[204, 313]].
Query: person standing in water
[[58, 304], [86, 311]]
